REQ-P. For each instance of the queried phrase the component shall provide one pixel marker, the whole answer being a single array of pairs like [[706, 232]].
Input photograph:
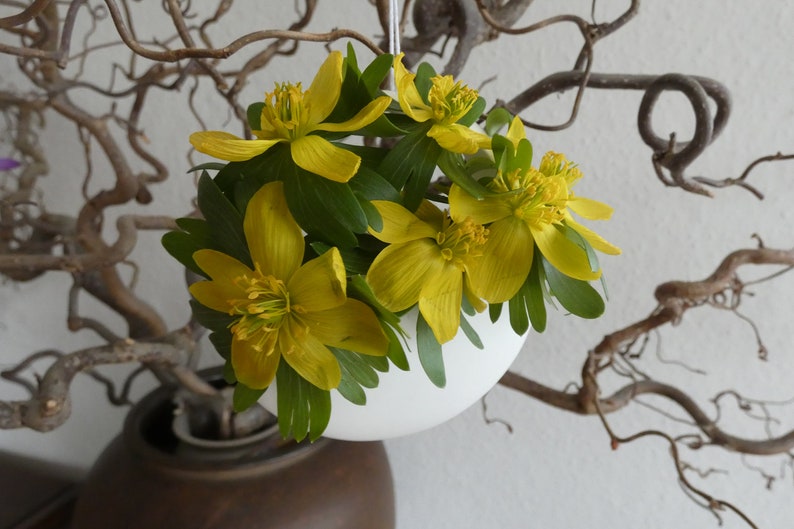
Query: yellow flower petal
[[309, 357], [516, 132], [219, 266], [485, 211], [589, 208], [505, 262], [274, 238], [255, 366], [223, 270], [352, 326], [407, 95], [398, 273], [323, 94], [214, 295], [319, 156], [229, 147], [428, 212], [459, 139], [319, 284], [595, 240], [365, 116], [475, 301], [400, 225], [562, 253], [440, 300]]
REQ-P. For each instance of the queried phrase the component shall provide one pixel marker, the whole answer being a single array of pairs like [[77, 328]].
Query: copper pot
[[147, 478]]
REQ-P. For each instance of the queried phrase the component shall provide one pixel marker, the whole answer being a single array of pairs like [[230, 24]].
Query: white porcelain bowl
[[406, 402]]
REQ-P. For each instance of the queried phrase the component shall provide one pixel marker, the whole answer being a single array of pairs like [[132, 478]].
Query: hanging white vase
[[407, 402]]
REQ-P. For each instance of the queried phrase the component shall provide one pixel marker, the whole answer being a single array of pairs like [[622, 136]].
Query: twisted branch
[[674, 299]]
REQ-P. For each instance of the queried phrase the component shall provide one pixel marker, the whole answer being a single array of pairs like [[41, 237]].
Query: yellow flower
[[449, 102], [427, 261], [291, 115], [285, 309], [533, 207]]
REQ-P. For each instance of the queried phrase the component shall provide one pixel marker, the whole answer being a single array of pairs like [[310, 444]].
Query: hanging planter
[[407, 402], [362, 298]]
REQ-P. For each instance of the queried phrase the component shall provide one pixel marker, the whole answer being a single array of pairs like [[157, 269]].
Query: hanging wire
[[394, 36], [394, 27]]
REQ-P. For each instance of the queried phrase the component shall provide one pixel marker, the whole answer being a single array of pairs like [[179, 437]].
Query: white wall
[[555, 470]]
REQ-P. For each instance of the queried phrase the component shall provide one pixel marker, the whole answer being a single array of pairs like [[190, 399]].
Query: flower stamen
[[450, 101], [461, 241]]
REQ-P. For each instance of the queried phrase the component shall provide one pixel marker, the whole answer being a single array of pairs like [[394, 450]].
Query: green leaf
[[255, 173], [470, 333], [467, 307], [378, 363], [324, 209], [419, 179], [503, 151], [413, 157], [424, 72], [181, 246], [370, 157], [254, 115], [495, 311], [429, 351], [224, 220], [194, 226], [376, 72], [319, 411], [351, 390], [228, 372], [357, 91], [245, 397], [359, 369], [452, 165], [372, 186], [497, 119], [532, 290], [208, 166], [358, 372], [523, 157], [574, 236], [576, 296], [356, 261], [303, 409], [209, 318], [358, 288], [396, 353], [374, 220], [350, 58], [474, 113], [222, 341], [519, 320], [263, 168]]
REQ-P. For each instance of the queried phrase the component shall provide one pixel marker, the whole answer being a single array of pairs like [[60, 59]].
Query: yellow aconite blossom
[[533, 207], [285, 309], [291, 115], [449, 102], [427, 261]]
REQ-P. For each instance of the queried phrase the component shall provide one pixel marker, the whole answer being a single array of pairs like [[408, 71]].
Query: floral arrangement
[[350, 207]]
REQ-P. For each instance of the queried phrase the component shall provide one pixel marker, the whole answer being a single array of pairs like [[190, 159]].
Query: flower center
[[449, 100], [555, 164], [543, 199], [263, 311], [285, 110], [460, 241]]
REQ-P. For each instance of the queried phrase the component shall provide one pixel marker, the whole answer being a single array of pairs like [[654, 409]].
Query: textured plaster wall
[[554, 470]]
